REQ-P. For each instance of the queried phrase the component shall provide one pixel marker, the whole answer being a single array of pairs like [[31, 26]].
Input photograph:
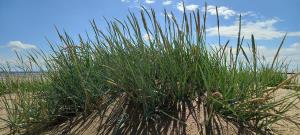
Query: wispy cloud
[[167, 2], [125, 0], [147, 37], [18, 45], [11, 60], [296, 34], [168, 15], [225, 11], [2, 60], [290, 53], [189, 7], [261, 29], [149, 1]]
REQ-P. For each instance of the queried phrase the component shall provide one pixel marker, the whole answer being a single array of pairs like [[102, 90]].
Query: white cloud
[[189, 7], [290, 53], [7, 60], [125, 0], [168, 14], [149, 1], [260, 29], [18, 45], [294, 33], [167, 2], [2, 60], [225, 11], [147, 37], [222, 11]]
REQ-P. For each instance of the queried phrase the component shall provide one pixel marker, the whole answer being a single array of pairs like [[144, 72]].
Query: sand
[[90, 126]]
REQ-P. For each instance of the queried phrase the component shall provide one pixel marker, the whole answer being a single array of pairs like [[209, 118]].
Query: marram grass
[[139, 85]]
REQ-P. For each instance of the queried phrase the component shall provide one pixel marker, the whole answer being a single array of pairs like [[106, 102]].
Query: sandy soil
[[3, 115], [90, 126], [282, 127]]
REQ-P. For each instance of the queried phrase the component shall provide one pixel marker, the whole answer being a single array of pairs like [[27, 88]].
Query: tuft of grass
[[146, 86]]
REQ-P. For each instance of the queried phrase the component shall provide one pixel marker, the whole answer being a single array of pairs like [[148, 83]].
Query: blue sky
[[25, 24]]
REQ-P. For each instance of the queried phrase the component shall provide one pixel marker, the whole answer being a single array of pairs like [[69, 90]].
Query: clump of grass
[[141, 85], [24, 106]]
